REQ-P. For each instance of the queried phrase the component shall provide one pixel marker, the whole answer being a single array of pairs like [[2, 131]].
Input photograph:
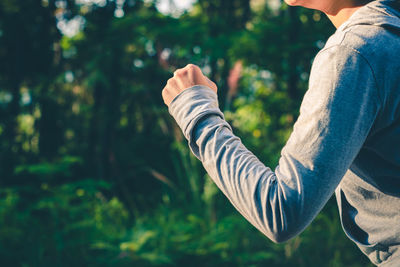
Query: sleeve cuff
[[193, 104]]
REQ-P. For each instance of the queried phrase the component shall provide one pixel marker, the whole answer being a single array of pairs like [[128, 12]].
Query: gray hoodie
[[346, 140]]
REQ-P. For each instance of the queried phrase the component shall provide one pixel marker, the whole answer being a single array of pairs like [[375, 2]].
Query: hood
[[382, 13]]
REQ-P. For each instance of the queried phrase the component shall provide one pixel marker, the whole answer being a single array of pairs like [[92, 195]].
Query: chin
[[293, 2]]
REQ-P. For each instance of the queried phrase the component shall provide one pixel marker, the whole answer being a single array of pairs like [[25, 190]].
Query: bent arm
[[336, 116]]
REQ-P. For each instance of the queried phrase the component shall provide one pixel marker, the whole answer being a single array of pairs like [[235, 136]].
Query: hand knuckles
[[193, 67], [170, 82], [183, 73]]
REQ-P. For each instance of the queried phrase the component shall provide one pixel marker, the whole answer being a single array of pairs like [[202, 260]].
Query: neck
[[339, 15]]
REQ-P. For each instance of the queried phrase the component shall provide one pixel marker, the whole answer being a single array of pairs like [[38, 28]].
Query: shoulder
[[366, 45], [373, 32], [342, 72]]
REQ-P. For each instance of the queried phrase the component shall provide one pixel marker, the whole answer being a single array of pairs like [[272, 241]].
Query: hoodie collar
[[384, 13]]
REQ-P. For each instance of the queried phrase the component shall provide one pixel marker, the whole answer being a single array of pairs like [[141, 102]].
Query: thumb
[[212, 85]]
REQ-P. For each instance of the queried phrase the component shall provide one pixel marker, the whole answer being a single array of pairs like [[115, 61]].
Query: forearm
[[251, 187], [272, 206]]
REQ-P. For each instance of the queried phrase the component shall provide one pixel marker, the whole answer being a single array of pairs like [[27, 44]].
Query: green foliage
[[61, 225], [94, 172], [48, 169]]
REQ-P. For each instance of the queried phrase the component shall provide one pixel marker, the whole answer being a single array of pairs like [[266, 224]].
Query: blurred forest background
[[94, 171]]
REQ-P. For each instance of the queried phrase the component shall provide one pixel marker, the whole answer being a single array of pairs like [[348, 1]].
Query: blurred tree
[[30, 57]]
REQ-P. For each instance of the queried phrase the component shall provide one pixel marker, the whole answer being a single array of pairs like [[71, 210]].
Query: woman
[[346, 139]]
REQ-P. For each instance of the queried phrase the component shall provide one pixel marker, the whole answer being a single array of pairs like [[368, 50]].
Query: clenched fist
[[185, 78]]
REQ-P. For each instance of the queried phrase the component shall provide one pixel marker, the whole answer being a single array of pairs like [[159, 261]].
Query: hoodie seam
[[377, 87], [340, 44]]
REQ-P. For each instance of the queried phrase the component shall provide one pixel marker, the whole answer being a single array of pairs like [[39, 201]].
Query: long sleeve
[[336, 116]]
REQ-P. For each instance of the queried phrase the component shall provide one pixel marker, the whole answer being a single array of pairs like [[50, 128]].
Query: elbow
[[281, 218], [280, 237], [287, 225]]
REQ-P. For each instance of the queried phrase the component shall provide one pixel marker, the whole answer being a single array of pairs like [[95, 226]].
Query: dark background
[[94, 171]]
